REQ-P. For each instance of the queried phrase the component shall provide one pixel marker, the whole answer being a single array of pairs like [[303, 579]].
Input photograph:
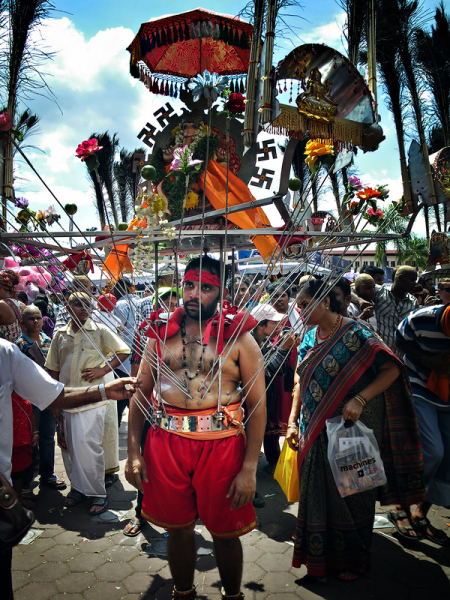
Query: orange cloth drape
[[238, 193], [118, 261], [439, 383]]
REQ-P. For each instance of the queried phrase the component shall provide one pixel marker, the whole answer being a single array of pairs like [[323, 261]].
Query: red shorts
[[189, 479]]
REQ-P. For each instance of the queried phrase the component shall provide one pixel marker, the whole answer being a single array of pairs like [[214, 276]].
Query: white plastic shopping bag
[[354, 457]]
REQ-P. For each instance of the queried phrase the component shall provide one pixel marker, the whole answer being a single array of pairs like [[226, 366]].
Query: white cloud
[[329, 34], [80, 64]]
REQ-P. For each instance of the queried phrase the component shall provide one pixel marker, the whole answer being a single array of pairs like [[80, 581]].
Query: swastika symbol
[[263, 178], [146, 135], [162, 114], [266, 150]]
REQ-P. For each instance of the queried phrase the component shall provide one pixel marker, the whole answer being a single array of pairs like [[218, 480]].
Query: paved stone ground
[[76, 558]]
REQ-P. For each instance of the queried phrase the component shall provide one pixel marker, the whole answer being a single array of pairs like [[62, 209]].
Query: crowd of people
[[220, 383]]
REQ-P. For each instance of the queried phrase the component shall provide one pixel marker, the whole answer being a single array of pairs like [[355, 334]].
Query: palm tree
[[125, 182], [414, 252], [433, 57], [20, 65], [396, 223], [106, 167]]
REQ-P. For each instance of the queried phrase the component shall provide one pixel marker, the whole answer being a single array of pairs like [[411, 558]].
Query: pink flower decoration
[[182, 160], [355, 183], [6, 121], [378, 214], [88, 148]]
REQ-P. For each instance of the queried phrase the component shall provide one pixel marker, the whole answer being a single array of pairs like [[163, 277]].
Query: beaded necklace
[[183, 342], [336, 326]]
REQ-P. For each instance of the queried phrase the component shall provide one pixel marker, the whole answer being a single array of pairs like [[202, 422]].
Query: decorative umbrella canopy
[[183, 45]]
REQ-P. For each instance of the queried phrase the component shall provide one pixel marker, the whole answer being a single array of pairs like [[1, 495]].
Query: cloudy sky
[[94, 91]]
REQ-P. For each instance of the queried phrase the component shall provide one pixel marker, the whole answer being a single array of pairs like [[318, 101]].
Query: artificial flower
[[183, 161], [51, 216], [384, 191], [39, 215], [315, 149], [375, 215], [88, 148], [235, 104], [191, 201], [21, 203], [6, 121], [210, 85], [354, 183], [368, 193], [353, 205]]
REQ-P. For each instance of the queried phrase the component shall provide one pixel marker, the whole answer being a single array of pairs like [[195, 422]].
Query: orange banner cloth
[[118, 262], [238, 193]]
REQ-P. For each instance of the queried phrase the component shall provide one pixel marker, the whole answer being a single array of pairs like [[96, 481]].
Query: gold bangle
[[292, 426], [360, 400]]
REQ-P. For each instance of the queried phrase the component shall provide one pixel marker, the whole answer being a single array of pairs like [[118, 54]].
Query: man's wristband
[[102, 390]]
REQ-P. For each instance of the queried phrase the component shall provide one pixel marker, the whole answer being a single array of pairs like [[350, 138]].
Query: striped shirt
[[389, 314], [423, 328]]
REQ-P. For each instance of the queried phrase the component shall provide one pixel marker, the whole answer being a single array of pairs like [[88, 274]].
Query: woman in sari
[[345, 369]]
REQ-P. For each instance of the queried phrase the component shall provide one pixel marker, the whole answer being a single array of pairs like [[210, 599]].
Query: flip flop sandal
[[438, 537], [73, 498], [402, 530], [55, 483], [136, 524], [348, 576], [99, 501], [111, 479]]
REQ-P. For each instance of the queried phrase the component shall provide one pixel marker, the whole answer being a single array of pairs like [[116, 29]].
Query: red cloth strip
[[204, 275]]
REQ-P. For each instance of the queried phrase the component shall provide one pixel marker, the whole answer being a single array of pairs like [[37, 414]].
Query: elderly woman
[[10, 308], [344, 369]]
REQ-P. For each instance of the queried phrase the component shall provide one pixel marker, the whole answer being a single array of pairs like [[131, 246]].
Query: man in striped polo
[[424, 338]]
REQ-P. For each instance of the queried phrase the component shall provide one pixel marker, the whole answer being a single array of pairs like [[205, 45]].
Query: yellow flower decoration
[[176, 130], [191, 201], [314, 149], [158, 204]]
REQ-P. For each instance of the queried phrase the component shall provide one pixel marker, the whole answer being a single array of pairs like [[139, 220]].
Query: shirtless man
[[196, 472]]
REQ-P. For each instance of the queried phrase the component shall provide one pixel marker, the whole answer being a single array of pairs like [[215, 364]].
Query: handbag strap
[[8, 496]]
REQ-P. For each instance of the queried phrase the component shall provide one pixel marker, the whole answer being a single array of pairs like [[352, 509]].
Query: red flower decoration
[[235, 103], [88, 148], [353, 205], [6, 121], [367, 193]]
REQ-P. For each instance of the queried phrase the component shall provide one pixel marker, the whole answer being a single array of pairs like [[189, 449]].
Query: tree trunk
[[335, 186], [427, 224], [314, 193], [438, 217]]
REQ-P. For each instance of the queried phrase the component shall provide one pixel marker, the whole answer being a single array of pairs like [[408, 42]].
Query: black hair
[[22, 297], [167, 294], [122, 287], [41, 305], [372, 270], [42, 297], [318, 289], [209, 264], [247, 280], [66, 293], [280, 286], [343, 284], [263, 323]]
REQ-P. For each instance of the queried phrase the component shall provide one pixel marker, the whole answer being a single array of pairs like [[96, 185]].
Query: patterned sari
[[334, 533]]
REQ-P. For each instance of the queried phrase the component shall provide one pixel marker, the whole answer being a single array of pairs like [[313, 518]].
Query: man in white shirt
[[20, 374]]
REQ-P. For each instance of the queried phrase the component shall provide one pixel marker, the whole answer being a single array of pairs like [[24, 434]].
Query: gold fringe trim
[[167, 525], [293, 124], [237, 533]]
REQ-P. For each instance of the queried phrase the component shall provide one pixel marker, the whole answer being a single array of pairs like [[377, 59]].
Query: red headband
[[206, 277]]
